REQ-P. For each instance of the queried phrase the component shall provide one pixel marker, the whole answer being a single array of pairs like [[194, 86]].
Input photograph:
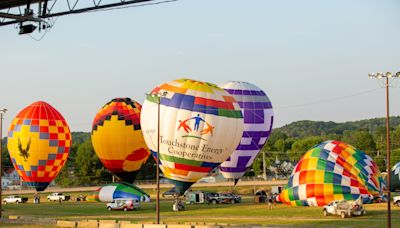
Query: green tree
[[362, 140], [301, 146], [280, 145], [394, 157], [88, 168], [380, 162], [257, 165]]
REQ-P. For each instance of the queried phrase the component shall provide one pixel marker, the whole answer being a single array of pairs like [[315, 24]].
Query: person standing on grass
[[269, 201]]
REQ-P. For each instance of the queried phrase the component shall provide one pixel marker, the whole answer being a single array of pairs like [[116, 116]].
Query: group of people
[[178, 205]]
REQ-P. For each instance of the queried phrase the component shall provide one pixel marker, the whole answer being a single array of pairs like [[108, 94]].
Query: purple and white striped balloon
[[258, 119]]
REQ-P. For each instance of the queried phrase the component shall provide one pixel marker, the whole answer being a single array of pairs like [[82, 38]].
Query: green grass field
[[246, 212]]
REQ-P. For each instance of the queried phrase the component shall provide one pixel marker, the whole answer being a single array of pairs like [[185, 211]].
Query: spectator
[[269, 201]]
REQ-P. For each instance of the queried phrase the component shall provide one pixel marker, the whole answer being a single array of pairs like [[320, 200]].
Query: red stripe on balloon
[[192, 168]]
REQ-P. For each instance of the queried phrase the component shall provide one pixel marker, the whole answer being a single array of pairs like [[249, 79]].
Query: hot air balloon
[[39, 141], [258, 119], [395, 177], [113, 191], [200, 126], [331, 171], [118, 140]]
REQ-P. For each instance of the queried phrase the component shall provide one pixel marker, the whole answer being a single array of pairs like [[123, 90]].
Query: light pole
[[2, 112], [158, 96], [264, 166], [386, 77]]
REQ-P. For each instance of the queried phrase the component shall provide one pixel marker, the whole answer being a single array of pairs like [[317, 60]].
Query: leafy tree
[[380, 162], [88, 168], [394, 157], [257, 165], [301, 146], [362, 140], [148, 170]]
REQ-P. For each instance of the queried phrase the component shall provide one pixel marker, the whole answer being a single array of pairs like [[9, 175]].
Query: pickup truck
[[15, 199], [224, 198], [57, 197], [344, 208]]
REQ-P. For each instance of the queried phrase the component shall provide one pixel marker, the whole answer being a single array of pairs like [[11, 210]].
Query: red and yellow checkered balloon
[[39, 141]]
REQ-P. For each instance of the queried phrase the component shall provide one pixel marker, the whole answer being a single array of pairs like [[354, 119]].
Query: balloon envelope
[[258, 119], [39, 141], [118, 140], [200, 126], [395, 177], [331, 171], [113, 191]]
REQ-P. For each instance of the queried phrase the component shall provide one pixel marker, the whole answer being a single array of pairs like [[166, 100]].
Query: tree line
[[291, 141], [287, 143]]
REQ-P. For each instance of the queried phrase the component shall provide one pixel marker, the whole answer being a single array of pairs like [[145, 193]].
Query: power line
[[328, 100]]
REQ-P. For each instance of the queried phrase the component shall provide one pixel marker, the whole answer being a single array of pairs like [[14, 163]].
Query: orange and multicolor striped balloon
[[118, 140], [39, 141]]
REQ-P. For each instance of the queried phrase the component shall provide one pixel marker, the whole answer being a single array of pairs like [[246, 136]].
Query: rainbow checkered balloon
[[38, 141], [200, 126], [258, 119], [118, 140], [330, 171]]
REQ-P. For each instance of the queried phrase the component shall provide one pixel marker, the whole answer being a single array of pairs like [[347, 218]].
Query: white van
[[124, 204]]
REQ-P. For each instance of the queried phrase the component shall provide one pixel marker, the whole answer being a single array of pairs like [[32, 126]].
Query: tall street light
[[158, 96], [2, 112], [386, 77]]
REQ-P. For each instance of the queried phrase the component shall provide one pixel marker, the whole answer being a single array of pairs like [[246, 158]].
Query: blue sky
[[311, 57]]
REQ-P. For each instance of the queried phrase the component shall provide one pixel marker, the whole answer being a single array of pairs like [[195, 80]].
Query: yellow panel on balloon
[[118, 140]]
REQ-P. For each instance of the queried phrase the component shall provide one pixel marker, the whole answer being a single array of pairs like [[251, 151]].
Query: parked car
[[344, 208], [170, 193], [124, 204], [15, 199], [58, 197], [396, 200], [224, 198]]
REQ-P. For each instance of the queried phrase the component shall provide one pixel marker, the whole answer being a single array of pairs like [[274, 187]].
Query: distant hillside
[[307, 128]]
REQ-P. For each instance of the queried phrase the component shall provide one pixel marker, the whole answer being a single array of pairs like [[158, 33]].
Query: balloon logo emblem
[[184, 125], [24, 152]]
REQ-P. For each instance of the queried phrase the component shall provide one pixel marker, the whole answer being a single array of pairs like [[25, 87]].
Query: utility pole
[[2, 112], [158, 96], [386, 78], [264, 166]]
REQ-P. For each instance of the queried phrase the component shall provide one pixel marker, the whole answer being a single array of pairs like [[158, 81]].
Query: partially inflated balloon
[[258, 119], [200, 126], [117, 138], [113, 191], [39, 141], [331, 171], [395, 177]]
